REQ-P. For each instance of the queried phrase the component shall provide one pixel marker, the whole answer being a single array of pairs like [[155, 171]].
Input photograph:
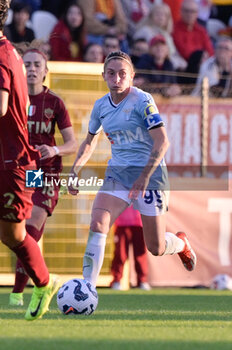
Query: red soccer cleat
[[187, 256]]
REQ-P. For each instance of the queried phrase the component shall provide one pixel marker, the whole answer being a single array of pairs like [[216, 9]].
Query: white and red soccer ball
[[221, 282], [77, 296]]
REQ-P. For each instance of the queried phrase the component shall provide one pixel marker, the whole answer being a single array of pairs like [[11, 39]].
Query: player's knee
[[98, 226], [100, 221]]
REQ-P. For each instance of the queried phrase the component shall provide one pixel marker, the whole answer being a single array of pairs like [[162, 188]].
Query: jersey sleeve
[[62, 116], [149, 112], [95, 124], [5, 80]]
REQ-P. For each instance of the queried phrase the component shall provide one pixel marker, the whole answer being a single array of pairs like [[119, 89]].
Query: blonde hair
[[169, 23], [25, 46], [4, 6]]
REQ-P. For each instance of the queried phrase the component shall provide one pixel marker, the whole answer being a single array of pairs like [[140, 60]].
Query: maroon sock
[[29, 254], [21, 277], [33, 232]]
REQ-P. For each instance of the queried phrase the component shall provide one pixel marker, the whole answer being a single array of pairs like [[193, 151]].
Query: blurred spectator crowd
[[173, 44]]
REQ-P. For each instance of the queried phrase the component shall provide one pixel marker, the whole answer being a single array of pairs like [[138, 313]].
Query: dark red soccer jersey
[[14, 146], [45, 111]]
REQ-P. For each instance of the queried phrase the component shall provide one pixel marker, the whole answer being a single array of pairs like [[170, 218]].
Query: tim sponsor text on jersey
[[125, 136], [39, 127], [151, 118]]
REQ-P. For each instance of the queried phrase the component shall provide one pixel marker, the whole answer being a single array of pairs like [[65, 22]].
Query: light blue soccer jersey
[[126, 125]]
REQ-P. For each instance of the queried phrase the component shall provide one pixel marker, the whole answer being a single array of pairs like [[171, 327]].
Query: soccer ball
[[221, 282], [77, 296]]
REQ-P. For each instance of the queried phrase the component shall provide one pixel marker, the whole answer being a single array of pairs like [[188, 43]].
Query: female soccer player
[[46, 110], [136, 172], [16, 157]]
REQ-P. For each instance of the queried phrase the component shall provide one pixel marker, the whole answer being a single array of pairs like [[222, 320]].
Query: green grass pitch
[[175, 319]]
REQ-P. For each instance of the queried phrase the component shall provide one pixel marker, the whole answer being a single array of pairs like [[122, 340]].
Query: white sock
[[94, 256], [174, 244]]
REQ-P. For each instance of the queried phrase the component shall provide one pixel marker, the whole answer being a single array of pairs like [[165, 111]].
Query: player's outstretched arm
[[69, 146], [70, 143], [160, 147], [84, 153]]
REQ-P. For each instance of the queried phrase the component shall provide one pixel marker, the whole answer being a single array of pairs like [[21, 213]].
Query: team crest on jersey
[[48, 112], [127, 113], [31, 110]]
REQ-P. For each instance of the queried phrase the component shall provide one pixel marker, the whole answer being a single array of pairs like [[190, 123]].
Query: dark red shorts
[[46, 197], [15, 199]]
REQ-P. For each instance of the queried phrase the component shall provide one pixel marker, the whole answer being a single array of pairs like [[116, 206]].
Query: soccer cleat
[[187, 256], [144, 286], [41, 299], [116, 286], [16, 299]]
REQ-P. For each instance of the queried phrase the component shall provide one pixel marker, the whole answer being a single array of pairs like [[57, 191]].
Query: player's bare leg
[[159, 242], [106, 208], [154, 228], [38, 217]]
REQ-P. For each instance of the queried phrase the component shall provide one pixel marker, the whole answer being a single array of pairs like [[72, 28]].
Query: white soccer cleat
[[144, 286], [116, 286]]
